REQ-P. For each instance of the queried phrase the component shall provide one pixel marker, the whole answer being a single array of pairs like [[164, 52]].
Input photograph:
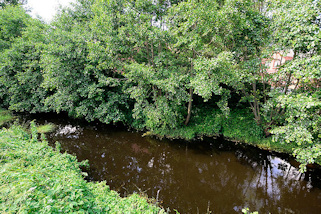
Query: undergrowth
[[36, 178], [239, 125], [49, 127], [5, 116]]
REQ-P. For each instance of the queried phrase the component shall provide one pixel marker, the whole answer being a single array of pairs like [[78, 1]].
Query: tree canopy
[[5, 3], [169, 66]]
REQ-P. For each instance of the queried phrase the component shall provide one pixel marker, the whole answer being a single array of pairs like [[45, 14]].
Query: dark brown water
[[213, 175]]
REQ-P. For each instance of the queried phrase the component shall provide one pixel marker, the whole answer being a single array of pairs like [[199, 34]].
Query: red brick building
[[276, 60]]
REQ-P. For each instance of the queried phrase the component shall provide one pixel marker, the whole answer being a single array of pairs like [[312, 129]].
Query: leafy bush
[[301, 128], [35, 178], [5, 117], [239, 125]]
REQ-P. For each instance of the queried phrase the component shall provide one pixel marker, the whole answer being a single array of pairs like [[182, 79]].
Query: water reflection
[[69, 131], [192, 177]]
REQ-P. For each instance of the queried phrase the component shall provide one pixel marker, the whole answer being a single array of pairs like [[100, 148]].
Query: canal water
[[206, 176]]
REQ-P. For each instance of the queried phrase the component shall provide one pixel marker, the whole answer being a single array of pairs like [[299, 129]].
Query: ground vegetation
[[177, 69]]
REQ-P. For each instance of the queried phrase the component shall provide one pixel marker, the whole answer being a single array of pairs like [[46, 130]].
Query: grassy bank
[[238, 126], [35, 178]]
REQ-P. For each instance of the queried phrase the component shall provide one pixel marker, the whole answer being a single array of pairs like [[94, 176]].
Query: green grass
[[36, 178], [49, 127], [203, 123], [5, 117], [239, 126]]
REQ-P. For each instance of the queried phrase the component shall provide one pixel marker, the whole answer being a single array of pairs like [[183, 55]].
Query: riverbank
[[101, 146], [239, 126], [38, 178]]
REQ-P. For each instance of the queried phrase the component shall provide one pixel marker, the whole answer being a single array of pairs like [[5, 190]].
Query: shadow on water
[[192, 177]]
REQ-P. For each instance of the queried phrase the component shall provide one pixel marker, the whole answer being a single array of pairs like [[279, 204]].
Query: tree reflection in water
[[191, 177]]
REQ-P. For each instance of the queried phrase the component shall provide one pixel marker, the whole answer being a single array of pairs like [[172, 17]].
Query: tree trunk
[[288, 82], [189, 109], [256, 105], [147, 54]]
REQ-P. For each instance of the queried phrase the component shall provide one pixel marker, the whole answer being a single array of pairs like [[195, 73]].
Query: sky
[[46, 8]]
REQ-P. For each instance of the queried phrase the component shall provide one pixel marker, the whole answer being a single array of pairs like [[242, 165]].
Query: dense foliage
[[5, 117], [180, 69], [35, 178], [5, 3]]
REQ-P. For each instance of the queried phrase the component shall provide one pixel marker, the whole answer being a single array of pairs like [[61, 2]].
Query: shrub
[[35, 178], [5, 117]]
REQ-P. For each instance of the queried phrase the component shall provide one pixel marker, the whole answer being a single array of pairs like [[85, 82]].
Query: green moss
[[35, 178]]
